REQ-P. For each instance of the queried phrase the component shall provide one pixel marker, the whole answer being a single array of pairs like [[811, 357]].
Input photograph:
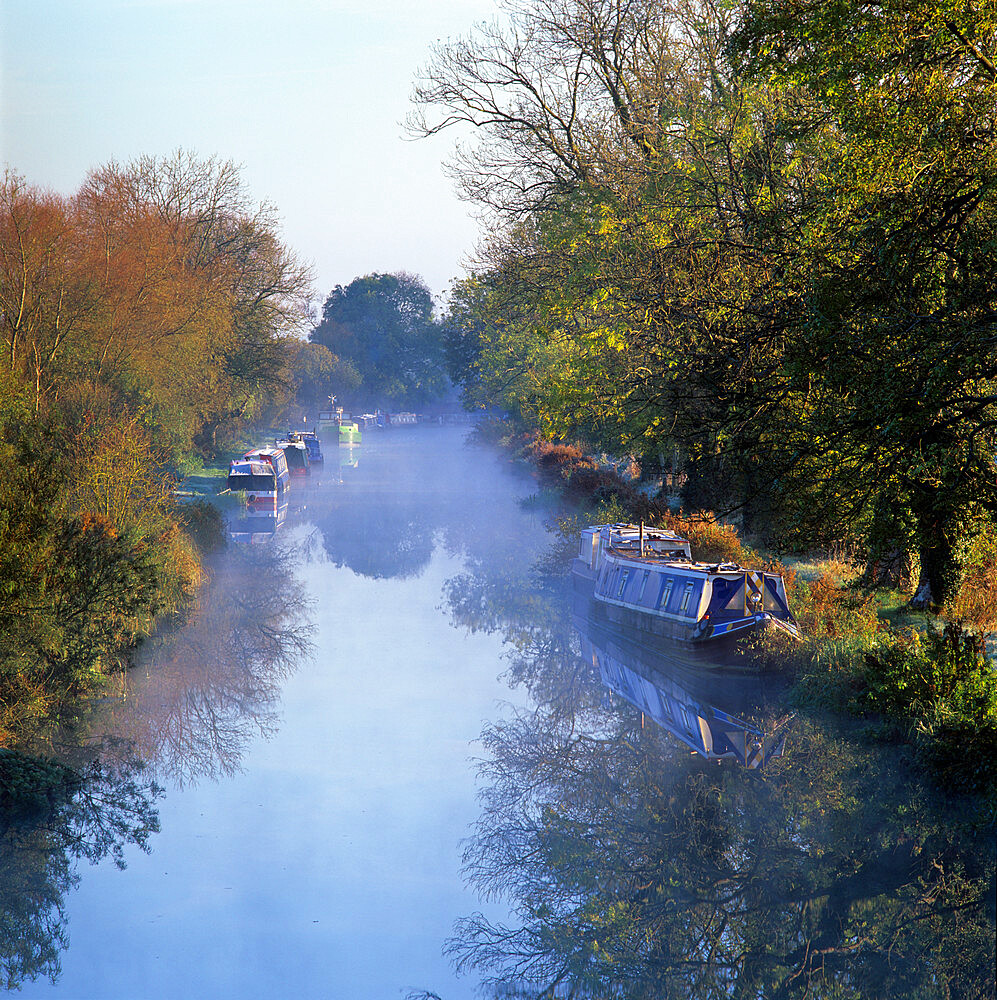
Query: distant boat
[[311, 443], [645, 578], [262, 474], [296, 453], [335, 420]]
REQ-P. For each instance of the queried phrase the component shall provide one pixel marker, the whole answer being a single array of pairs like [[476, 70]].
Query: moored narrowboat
[[335, 421], [278, 479], [296, 454], [645, 578], [312, 444], [258, 479]]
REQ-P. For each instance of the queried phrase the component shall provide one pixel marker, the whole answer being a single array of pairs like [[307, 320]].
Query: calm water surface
[[637, 826], [314, 805]]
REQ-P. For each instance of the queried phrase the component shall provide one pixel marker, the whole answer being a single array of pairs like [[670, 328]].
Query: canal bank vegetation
[[916, 678], [748, 248], [148, 320]]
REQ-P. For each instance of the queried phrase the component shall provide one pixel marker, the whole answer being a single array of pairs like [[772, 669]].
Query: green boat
[[332, 422]]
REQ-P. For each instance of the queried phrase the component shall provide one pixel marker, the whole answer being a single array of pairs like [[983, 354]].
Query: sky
[[307, 96]]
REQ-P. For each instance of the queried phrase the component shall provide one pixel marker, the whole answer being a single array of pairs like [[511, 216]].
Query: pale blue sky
[[307, 95]]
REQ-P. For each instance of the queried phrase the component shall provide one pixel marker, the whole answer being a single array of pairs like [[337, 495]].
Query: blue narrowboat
[[311, 442], [645, 578]]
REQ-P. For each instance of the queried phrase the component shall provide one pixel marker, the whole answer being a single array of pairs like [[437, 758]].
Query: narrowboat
[[311, 443], [276, 482], [260, 479], [296, 454], [339, 423], [645, 578]]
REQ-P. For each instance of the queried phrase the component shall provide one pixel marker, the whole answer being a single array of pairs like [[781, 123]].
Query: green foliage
[[381, 328], [762, 235], [943, 674]]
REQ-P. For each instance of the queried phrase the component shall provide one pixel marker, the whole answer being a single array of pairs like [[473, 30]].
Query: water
[[314, 808], [314, 728]]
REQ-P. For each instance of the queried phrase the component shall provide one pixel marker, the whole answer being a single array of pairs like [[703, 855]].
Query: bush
[[940, 676], [204, 524], [976, 601], [825, 610]]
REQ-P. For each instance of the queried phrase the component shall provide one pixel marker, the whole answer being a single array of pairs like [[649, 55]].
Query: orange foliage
[[711, 541], [826, 610], [976, 603]]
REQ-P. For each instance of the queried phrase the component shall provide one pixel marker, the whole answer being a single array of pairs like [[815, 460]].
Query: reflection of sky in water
[[330, 866]]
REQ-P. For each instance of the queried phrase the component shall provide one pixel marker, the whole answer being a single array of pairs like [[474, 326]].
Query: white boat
[[645, 578]]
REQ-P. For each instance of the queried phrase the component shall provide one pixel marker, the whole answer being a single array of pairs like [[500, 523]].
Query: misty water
[[388, 756]]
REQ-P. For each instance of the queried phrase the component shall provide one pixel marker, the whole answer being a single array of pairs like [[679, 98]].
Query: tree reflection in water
[[53, 815], [187, 711], [634, 869], [199, 697]]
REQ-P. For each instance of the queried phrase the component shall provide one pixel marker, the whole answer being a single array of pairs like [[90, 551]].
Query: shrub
[[205, 525], [825, 610], [711, 540], [942, 675], [976, 601]]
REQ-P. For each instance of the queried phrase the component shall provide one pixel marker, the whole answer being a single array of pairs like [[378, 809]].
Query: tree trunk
[[944, 545]]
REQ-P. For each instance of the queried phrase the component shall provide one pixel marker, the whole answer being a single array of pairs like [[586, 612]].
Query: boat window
[[724, 591], [665, 592], [687, 594], [643, 585], [623, 583], [258, 484], [690, 602]]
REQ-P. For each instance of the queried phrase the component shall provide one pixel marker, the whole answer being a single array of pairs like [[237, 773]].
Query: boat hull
[[697, 634]]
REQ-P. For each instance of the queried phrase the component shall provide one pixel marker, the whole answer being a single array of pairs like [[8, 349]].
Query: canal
[[389, 757], [313, 730]]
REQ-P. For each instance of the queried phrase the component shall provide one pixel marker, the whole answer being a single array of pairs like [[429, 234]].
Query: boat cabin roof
[[246, 468]]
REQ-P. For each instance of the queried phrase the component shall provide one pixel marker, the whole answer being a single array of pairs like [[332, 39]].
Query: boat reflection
[[720, 716], [257, 526]]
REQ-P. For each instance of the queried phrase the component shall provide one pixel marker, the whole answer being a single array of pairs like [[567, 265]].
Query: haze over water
[[314, 727], [327, 864]]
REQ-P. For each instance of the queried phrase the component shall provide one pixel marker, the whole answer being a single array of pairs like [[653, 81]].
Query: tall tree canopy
[[761, 232], [382, 327]]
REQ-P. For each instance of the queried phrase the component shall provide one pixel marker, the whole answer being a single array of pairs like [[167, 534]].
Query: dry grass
[[976, 603]]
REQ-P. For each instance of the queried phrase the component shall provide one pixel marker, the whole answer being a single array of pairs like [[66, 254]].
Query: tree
[[763, 235], [381, 326]]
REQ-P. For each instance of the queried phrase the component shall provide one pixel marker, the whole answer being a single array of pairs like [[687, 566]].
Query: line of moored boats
[[264, 474]]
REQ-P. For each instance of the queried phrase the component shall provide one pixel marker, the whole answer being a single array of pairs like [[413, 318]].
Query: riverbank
[[914, 680]]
